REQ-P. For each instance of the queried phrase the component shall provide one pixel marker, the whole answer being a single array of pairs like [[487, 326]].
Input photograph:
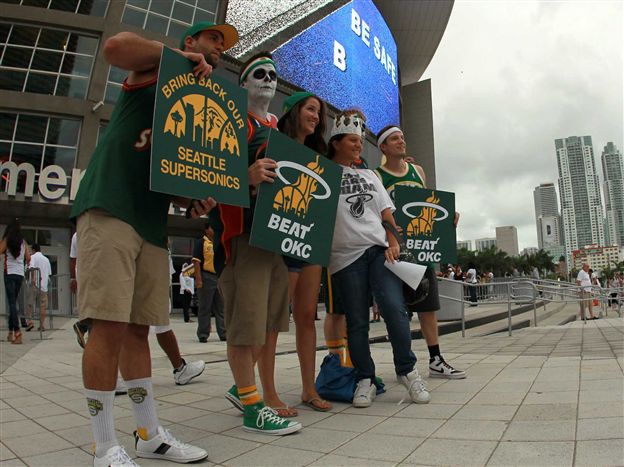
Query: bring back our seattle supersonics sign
[[295, 215], [199, 139]]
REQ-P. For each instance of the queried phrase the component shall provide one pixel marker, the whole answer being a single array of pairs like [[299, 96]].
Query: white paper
[[409, 273]]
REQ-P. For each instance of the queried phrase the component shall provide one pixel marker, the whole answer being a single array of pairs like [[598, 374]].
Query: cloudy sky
[[508, 79]]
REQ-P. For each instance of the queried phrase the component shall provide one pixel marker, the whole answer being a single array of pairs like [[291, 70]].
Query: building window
[[45, 61], [167, 17], [84, 7], [39, 140], [116, 77]]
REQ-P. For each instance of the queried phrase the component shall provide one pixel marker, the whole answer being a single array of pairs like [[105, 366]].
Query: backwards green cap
[[229, 32], [293, 100]]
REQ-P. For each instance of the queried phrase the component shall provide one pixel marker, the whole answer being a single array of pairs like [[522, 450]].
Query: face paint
[[261, 83]]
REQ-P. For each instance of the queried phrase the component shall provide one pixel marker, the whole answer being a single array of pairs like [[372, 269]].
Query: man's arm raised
[[141, 57]]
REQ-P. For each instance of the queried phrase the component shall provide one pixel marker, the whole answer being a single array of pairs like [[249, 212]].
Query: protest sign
[[426, 217], [199, 135], [295, 215]]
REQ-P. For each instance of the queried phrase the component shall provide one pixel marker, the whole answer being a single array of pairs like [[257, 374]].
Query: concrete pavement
[[545, 396]]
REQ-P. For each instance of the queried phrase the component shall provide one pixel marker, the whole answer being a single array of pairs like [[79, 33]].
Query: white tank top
[[13, 265]]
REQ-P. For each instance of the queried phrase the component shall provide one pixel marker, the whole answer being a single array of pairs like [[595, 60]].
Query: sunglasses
[[261, 73]]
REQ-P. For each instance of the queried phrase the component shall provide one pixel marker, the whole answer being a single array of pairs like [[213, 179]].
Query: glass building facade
[[52, 79]]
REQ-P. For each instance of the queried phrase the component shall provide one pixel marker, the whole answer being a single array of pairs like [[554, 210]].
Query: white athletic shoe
[[114, 457], [165, 446], [365, 393], [188, 372], [415, 387], [438, 368]]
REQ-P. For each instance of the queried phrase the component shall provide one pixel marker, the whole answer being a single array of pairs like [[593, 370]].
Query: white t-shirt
[[186, 283], [73, 248], [471, 276], [13, 265], [584, 280], [358, 217], [39, 261]]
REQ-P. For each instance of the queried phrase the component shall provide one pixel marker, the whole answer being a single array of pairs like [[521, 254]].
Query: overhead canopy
[[418, 27]]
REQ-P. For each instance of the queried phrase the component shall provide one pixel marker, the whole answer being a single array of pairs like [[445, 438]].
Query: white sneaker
[[120, 387], [114, 457], [165, 446], [188, 372], [415, 387], [365, 393], [438, 368]]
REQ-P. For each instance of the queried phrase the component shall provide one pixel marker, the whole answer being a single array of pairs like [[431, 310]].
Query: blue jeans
[[355, 283], [12, 284]]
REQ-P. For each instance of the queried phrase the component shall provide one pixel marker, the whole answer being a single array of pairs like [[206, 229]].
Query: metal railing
[[529, 291]]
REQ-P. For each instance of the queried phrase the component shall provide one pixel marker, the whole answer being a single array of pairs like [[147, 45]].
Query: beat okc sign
[[295, 215], [427, 219]]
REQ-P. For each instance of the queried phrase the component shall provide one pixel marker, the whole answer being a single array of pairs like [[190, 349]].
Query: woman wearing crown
[[360, 247]]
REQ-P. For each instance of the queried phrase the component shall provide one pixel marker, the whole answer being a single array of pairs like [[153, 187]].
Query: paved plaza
[[544, 396]]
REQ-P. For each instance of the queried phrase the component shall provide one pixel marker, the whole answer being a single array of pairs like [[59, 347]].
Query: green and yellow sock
[[249, 396]]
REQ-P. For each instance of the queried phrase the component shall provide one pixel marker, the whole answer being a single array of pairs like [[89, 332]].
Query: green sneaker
[[261, 419], [232, 396]]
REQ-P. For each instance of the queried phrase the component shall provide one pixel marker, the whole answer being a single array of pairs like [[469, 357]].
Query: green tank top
[[118, 175], [411, 178], [390, 181]]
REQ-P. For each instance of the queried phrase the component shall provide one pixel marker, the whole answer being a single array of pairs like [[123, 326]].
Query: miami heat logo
[[422, 224], [200, 118], [358, 204], [296, 197]]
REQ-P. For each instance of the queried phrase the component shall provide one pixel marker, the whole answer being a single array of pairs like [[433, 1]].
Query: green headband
[[252, 65]]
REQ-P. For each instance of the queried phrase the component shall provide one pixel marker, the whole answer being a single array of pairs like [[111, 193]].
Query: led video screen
[[349, 59]]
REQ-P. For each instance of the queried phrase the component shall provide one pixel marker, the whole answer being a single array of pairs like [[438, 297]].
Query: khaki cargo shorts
[[254, 285], [33, 295], [121, 276]]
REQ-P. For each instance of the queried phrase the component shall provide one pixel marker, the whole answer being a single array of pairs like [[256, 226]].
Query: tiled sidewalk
[[545, 396]]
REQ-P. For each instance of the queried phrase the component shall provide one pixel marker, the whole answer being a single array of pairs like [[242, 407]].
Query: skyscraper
[[613, 170], [547, 216], [507, 239], [581, 205], [482, 244]]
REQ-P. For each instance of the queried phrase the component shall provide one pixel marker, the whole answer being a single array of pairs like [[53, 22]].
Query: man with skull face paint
[[360, 247], [254, 282]]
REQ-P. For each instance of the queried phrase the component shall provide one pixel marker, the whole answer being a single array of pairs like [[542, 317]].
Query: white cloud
[[508, 79]]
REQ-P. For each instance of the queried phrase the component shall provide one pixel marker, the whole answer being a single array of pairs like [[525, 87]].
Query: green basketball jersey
[[390, 180], [118, 176]]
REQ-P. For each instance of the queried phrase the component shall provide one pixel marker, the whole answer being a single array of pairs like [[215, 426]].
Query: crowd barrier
[[455, 295]]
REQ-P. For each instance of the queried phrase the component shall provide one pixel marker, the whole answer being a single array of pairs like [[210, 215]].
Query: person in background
[[209, 296], [303, 120], [471, 278], [584, 282], [40, 281], [16, 256], [187, 289]]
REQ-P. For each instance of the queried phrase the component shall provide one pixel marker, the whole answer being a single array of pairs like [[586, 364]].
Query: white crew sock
[[100, 405], [142, 396]]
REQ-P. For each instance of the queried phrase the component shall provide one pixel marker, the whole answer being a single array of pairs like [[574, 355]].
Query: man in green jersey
[[122, 253], [396, 171]]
